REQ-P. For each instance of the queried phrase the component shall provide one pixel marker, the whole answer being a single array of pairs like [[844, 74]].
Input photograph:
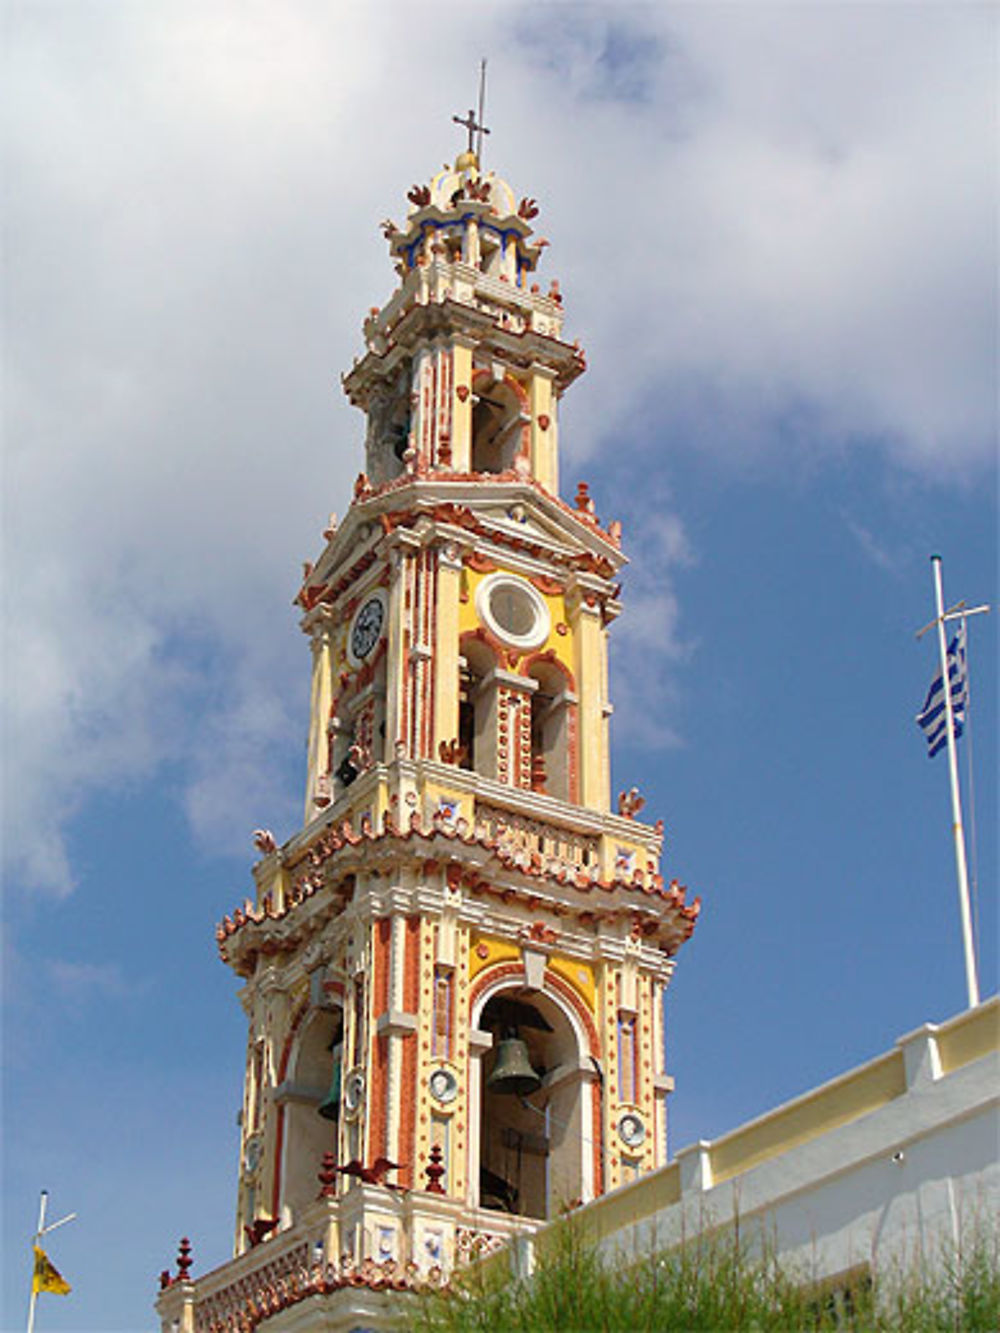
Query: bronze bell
[[329, 1107], [512, 1072]]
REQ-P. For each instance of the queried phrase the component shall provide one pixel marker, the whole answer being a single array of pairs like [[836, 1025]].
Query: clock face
[[354, 1091], [251, 1157], [367, 628], [631, 1130], [513, 610], [443, 1085]]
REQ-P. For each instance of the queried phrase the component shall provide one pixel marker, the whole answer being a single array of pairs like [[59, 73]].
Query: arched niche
[[388, 433], [308, 1135], [553, 727], [475, 711], [356, 728], [535, 1155], [499, 425]]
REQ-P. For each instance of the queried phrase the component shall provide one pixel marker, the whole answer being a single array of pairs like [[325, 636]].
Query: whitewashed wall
[[905, 1181]]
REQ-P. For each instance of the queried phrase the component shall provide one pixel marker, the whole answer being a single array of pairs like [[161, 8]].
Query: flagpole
[[971, 980], [42, 1205], [43, 1230]]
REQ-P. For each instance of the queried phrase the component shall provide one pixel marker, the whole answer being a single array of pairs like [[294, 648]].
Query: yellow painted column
[[271, 1018], [590, 652], [401, 564], [445, 646], [461, 407], [321, 695], [544, 453]]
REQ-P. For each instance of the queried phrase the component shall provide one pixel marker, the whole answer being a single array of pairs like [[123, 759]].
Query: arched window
[[356, 730], [534, 1149], [388, 433], [498, 425], [467, 685], [491, 253], [308, 1135], [553, 718], [475, 719]]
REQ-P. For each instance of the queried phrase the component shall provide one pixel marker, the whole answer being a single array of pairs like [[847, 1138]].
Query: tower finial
[[473, 123]]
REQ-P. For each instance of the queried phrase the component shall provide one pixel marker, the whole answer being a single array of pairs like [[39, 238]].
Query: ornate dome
[[452, 184]]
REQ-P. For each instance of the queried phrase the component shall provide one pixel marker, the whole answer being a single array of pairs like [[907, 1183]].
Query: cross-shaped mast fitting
[[473, 122]]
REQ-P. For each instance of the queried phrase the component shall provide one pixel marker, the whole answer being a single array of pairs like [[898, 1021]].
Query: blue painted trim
[[429, 224]]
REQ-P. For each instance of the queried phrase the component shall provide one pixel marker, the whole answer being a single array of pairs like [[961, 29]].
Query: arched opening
[[388, 434], [552, 719], [356, 732], [491, 254], [475, 716], [312, 1077], [532, 1144], [497, 427], [342, 770]]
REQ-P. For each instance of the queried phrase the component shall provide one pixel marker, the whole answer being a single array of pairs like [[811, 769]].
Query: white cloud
[[78, 981], [872, 547], [757, 211], [649, 641], [811, 225]]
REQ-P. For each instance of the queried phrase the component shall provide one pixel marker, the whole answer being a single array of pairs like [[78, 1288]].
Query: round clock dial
[[251, 1157], [631, 1130], [513, 610], [354, 1091], [367, 628], [443, 1085]]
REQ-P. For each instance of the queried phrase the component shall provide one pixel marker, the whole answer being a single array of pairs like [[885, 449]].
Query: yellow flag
[[47, 1277]]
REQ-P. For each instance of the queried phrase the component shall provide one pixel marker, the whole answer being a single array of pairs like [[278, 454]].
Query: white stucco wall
[[890, 1185], [906, 1180]]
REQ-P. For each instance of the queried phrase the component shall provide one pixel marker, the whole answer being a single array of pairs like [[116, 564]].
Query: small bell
[[329, 1107], [512, 1072]]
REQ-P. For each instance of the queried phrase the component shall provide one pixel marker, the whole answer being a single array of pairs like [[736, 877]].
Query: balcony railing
[[535, 836], [224, 1293], [304, 1261]]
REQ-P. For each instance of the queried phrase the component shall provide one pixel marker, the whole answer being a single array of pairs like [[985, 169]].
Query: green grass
[[715, 1282]]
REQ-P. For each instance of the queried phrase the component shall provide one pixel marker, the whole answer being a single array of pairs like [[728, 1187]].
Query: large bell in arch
[[329, 1107], [512, 1072]]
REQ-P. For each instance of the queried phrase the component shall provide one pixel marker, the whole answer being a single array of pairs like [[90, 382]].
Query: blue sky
[[775, 227]]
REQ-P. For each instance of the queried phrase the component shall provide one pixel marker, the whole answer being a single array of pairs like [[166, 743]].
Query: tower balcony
[[533, 827], [574, 863], [355, 1255]]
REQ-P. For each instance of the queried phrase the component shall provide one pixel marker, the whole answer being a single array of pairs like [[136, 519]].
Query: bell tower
[[454, 972]]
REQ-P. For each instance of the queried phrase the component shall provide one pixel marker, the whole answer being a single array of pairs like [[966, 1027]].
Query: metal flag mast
[[958, 612], [42, 1230]]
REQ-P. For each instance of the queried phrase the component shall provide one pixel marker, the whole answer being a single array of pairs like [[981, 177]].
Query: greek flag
[[932, 718]]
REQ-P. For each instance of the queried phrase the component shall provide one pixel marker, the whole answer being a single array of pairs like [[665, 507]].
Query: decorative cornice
[[444, 497], [650, 909], [419, 320]]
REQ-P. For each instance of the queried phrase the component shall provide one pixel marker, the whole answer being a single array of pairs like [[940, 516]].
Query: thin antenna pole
[[479, 118], [971, 979]]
